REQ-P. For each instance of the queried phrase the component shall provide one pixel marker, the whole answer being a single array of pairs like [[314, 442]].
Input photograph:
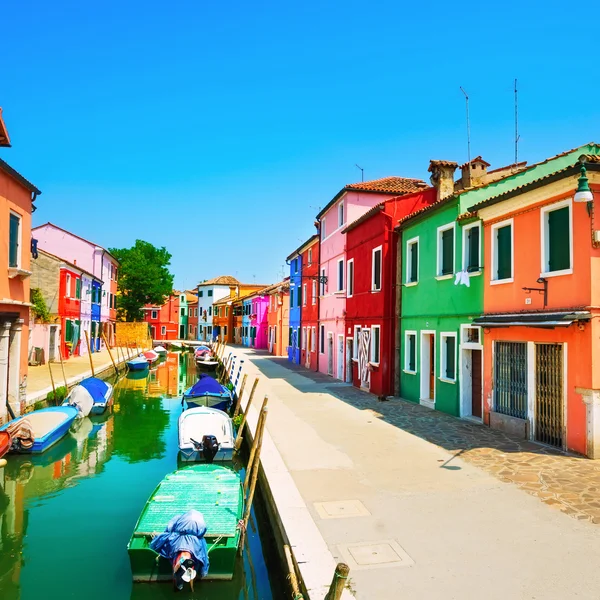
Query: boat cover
[[184, 533], [82, 400], [206, 385], [96, 387], [21, 433]]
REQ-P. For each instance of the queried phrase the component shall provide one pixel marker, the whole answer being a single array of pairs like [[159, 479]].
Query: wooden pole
[[109, 352], [238, 439], [255, 465], [62, 366], [340, 577], [238, 401], [52, 381], [257, 443], [87, 339], [292, 573]]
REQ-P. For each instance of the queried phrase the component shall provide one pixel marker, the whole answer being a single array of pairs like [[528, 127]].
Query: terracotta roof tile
[[4, 139], [390, 185], [221, 280], [442, 163], [477, 159]]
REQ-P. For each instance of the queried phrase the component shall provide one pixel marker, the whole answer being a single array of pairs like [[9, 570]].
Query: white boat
[[160, 350], [195, 424]]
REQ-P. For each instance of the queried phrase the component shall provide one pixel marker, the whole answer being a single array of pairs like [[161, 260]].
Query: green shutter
[[13, 251], [504, 252], [473, 241], [559, 240], [299, 295], [414, 261], [450, 357], [78, 288], [412, 352], [448, 252]]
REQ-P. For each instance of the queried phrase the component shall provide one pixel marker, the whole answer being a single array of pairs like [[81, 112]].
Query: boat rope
[[241, 526], [215, 543]]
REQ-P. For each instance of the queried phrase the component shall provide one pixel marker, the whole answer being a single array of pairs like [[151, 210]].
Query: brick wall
[[46, 276]]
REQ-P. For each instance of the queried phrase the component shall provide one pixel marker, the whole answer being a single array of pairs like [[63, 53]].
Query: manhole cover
[[341, 509], [373, 555]]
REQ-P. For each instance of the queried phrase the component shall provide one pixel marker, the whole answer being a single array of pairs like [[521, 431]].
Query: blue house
[[295, 341], [96, 300], [246, 327]]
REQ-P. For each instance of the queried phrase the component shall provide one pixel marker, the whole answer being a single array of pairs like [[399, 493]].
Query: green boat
[[216, 492]]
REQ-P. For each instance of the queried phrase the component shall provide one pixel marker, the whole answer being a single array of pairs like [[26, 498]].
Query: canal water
[[66, 515]]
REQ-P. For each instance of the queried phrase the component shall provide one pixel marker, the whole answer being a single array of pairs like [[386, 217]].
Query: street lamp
[[583, 194]]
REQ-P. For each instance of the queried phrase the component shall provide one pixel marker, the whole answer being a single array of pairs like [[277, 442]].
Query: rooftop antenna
[[517, 136], [362, 172], [468, 128]]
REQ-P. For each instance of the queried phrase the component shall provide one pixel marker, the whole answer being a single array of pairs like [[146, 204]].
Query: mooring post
[[340, 577], [239, 396], [297, 594], [110, 352], [62, 366], [239, 438], [257, 444], [87, 339], [52, 381]]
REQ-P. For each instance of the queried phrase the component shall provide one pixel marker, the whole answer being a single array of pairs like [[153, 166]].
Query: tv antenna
[[468, 128], [517, 136], [362, 172]]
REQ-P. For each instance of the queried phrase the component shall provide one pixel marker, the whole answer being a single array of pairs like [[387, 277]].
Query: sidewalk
[[416, 502]]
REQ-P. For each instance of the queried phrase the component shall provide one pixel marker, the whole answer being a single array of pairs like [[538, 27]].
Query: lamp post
[[583, 193]]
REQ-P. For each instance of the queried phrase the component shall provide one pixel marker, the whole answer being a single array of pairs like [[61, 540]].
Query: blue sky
[[233, 122]]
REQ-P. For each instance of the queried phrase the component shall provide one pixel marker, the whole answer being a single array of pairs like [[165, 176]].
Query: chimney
[[232, 291], [474, 173], [442, 177]]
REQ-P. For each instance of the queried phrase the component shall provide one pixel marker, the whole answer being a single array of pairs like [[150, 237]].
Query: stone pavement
[[416, 502]]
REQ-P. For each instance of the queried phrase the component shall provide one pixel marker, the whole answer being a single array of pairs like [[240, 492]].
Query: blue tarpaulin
[[206, 385], [184, 533], [96, 387]]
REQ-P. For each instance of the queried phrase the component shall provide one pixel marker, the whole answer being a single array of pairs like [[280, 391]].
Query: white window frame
[[407, 369], [409, 243], [163, 330], [154, 314], [309, 258], [544, 239], [357, 330], [373, 288], [443, 356], [303, 345], [341, 214], [323, 229], [19, 241], [68, 279], [340, 284], [314, 292], [494, 256], [464, 343], [190, 328], [465, 246], [313, 341], [371, 350], [322, 344], [304, 292], [438, 269], [350, 278]]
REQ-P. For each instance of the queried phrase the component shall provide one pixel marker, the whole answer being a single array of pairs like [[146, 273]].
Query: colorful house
[[541, 302], [163, 320], [210, 291], [237, 309], [346, 206], [192, 332], [69, 310], [91, 296], [258, 321], [185, 298], [371, 271], [295, 333], [278, 317], [223, 318], [309, 316], [247, 320]]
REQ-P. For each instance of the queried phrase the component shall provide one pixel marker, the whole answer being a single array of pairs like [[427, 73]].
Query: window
[[290, 337], [78, 288], [502, 252], [412, 260], [322, 339], [154, 314], [304, 338], [322, 282], [189, 329], [182, 298], [472, 248], [471, 335], [183, 312], [350, 277], [340, 275], [341, 213], [299, 298], [210, 311], [163, 330], [209, 293], [68, 286], [295, 265], [448, 353], [357, 329], [312, 340], [292, 295], [323, 234], [310, 256], [375, 347], [314, 292], [557, 249], [209, 330], [227, 311], [304, 295], [14, 240], [410, 351], [445, 249], [376, 270], [200, 294], [225, 329]]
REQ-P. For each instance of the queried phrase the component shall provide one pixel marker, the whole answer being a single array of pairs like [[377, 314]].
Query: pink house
[[259, 321], [354, 200]]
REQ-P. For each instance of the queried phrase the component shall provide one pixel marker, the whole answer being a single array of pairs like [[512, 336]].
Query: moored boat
[[207, 391], [213, 490], [175, 346], [196, 428], [40, 429], [4, 443], [91, 396], [160, 350], [137, 364], [151, 356]]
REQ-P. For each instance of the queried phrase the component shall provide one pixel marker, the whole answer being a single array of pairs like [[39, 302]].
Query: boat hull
[[4, 443], [189, 455], [207, 365], [137, 366], [218, 402]]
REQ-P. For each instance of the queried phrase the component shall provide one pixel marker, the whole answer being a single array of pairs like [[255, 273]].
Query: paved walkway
[[417, 501]]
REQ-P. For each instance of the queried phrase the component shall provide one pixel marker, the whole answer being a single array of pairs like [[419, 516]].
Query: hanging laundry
[[463, 278]]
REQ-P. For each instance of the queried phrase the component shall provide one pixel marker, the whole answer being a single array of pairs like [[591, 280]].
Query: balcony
[[14, 272]]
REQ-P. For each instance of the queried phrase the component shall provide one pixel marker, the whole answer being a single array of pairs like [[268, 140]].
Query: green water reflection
[[66, 515]]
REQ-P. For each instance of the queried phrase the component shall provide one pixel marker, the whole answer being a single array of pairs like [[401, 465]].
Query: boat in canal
[[196, 428], [213, 490], [91, 396], [207, 391], [4, 443], [151, 356], [161, 350], [137, 364], [39, 430]]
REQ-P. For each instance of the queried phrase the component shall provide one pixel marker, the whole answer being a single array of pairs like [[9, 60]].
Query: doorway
[[182, 332], [364, 347], [428, 363], [349, 357], [52, 344], [471, 383], [330, 353], [308, 345], [340, 358], [549, 394]]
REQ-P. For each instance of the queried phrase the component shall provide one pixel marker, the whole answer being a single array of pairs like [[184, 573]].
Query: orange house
[[17, 196], [223, 319], [227, 312], [278, 317], [542, 310]]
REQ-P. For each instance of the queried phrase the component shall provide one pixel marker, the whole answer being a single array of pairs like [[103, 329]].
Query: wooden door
[[431, 367], [476, 386]]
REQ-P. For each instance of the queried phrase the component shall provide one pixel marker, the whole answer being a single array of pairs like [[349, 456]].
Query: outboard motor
[[210, 447]]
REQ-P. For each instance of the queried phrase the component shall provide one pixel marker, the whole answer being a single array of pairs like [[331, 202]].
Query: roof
[[304, 245], [276, 287], [546, 319], [190, 298], [385, 185], [4, 139], [220, 280], [426, 209], [477, 159], [372, 211], [4, 166], [69, 264], [442, 163]]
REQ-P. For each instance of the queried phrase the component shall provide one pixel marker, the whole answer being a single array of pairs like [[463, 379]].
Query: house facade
[[295, 333], [348, 205], [223, 319], [209, 292], [278, 317], [371, 291], [247, 320], [309, 316], [192, 330], [163, 320], [69, 310], [258, 321]]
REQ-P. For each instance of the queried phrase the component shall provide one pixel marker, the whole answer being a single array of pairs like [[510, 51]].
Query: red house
[[69, 310], [371, 255], [309, 315], [164, 320]]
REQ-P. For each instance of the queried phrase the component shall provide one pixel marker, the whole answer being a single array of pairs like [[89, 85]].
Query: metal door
[[510, 379], [364, 343], [549, 394]]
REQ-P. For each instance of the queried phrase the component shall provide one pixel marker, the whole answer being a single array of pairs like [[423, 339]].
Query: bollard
[[340, 577]]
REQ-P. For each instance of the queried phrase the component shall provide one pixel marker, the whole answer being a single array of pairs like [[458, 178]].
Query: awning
[[539, 319]]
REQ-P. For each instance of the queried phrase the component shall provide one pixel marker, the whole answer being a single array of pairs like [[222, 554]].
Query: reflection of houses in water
[[162, 381]]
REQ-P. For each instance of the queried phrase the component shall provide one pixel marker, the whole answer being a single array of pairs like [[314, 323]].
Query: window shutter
[[504, 252], [78, 288], [559, 240], [450, 357], [377, 270], [473, 249], [448, 252], [299, 295], [13, 252], [412, 352], [340, 275], [414, 261]]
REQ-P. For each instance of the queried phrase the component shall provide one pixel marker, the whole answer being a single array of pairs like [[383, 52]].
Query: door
[[295, 345], [428, 366], [364, 347], [340, 358], [549, 390], [308, 347], [153, 332], [52, 344], [431, 367], [182, 332], [330, 354], [476, 387], [349, 357]]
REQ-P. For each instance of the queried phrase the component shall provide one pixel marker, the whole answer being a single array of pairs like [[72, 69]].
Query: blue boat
[[44, 427], [207, 391], [137, 364], [90, 397]]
